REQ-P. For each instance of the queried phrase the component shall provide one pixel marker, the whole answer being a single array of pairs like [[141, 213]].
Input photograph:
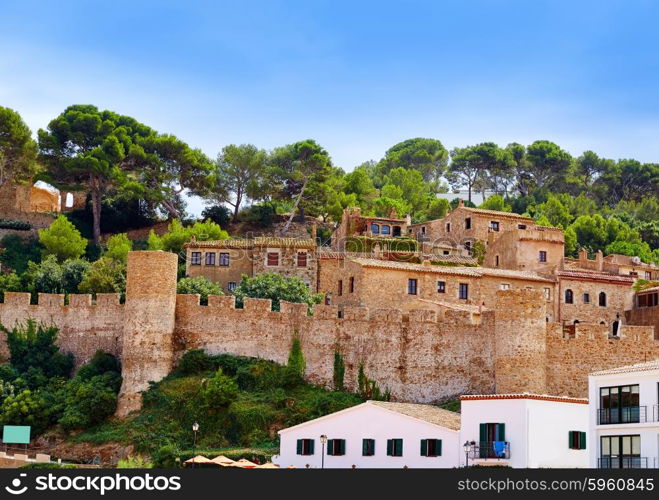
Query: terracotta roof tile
[[405, 266], [261, 241], [595, 276], [427, 413], [538, 397], [508, 215], [638, 367]]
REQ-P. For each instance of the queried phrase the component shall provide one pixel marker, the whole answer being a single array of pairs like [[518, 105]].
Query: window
[[621, 452], [386, 229], [586, 298], [496, 261], [569, 296], [577, 440], [494, 225], [448, 227], [542, 256], [305, 446], [272, 259], [521, 226], [368, 447], [431, 447], [492, 440], [395, 447], [602, 299], [210, 258], [195, 259], [396, 230], [336, 447], [547, 292], [423, 229], [328, 299], [441, 287], [352, 284], [411, 286], [340, 288], [648, 300], [468, 246], [231, 286], [224, 259], [375, 229], [619, 405], [504, 286], [648, 275], [446, 252], [468, 223], [302, 259], [463, 291]]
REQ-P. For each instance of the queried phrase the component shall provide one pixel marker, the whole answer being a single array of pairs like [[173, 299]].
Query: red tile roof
[[539, 397]]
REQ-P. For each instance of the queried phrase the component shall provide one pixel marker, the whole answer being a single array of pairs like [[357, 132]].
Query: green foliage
[[368, 388], [437, 209], [18, 225], [166, 457], [367, 243], [277, 288], [178, 235], [219, 392], [62, 240], [15, 252], [9, 283], [118, 246], [18, 151], [339, 371], [47, 465], [32, 346], [194, 362], [89, 401], [555, 212], [101, 363], [496, 202], [218, 214], [478, 252], [261, 214], [26, 408], [296, 364], [201, 285], [106, 275], [426, 156], [134, 462]]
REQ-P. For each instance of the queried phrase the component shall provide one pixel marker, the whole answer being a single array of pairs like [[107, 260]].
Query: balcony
[[627, 415], [490, 449], [625, 463]]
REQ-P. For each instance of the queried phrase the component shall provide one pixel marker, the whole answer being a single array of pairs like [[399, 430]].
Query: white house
[[375, 434], [624, 416], [524, 430]]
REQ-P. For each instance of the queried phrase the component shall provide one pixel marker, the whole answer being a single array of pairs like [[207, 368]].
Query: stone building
[[645, 309], [226, 261], [464, 226], [615, 264], [354, 224]]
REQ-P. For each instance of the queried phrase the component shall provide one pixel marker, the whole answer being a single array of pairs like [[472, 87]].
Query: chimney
[[314, 232], [426, 260], [408, 219], [599, 259], [461, 203], [583, 255]]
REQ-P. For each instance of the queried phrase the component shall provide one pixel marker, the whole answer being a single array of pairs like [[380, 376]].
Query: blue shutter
[[343, 446]]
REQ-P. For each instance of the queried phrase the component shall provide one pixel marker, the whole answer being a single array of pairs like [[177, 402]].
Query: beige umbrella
[[245, 464], [199, 459], [223, 461]]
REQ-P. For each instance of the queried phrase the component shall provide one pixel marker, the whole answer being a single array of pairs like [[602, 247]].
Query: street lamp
[[323, 440], [467, 448], [195, 428]]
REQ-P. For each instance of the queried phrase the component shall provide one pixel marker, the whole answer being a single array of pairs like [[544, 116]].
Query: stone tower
[[520, 348], [148, 350]]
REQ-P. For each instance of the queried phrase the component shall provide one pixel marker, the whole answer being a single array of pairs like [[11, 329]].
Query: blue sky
[[358, 76]]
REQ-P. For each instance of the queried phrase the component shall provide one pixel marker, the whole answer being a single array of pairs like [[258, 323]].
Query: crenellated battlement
[[420, 355]]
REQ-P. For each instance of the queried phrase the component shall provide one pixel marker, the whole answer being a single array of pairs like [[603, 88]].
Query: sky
[[357, 76]]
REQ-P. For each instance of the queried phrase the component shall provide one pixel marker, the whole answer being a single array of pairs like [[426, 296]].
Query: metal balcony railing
[[491, 449], [624, 415], [623, 462]]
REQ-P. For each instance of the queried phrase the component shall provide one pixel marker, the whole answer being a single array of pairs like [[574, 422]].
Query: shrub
[[89, 402], [17, 252], [26, 408], [18, 225], [118, 246], [166, 457], [339, 371], [195, 362], [104, 276], [9, 283], [296, 363], [219, 391], [62, 240], [275, 287], [201, 285], [134, 462], [218, 214]]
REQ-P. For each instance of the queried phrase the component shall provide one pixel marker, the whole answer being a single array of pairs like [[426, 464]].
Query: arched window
[[576, 321], [602, 298], [375, 228], [615, 328], [569, 296]]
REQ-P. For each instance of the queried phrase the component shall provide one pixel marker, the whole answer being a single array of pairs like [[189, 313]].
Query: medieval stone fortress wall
[[421, 355]]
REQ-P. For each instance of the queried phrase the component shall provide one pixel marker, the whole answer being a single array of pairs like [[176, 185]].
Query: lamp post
[[323, 440], [467, 449], [195, 428]]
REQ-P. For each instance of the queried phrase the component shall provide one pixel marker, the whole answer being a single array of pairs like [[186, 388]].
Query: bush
[[62, 240], [100, 364], [220, 391], [118, 246], [26, 408], [195, 362], [166, 457], [134, 462], [275, 287], [261, 215], [17, 252], [104, 276], [89, 402], [201, 285], [18, 225], [9, 283], [218, 214]]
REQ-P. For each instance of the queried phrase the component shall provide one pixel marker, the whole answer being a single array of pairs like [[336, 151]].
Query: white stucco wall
[[536, 430], [369, 421], [648, 382]]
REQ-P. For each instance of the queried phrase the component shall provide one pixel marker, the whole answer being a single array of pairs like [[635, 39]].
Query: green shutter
[[582, 440], [372, 442], [483, 433], [343, 447], [299, 447], [311, 444], [390, 447], [330, 447], [501, 432], [424, 447], [399, 447], [571, 439], [364, 447], [438, 447]]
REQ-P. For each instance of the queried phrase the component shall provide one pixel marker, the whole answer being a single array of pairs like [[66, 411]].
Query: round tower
[[520, 342], [148, 351]]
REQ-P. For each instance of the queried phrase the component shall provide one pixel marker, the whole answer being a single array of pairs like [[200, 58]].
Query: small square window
[[195, 259], [542, 256], [441, 287], [224, 259], [463, 291], [273, 259], [231, 286], [411, 286], [586, 298], [375, 229], [302, 259], [368, 447], [468, 223], [504, 286], [305, 446], [210, 258], [386, 229], [494, 225]]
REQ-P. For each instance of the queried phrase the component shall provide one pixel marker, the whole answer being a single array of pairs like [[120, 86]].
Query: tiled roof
[[638, 367], [651, 289], [405, 266], [476, 272], [427, 413], [388, 219], [261, 241], [595, 276], [456, 259], [538, 397], [508, 215]]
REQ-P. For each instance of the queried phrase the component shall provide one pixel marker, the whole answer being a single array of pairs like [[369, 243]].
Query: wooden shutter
[[330, 447], [342, 443], [390, 447], [311, 444], [501, 432], [398, 447], [438, 447], [582, 440], [299, 447], [570, 439], [364, 447], [424, 447], [483, 433]]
